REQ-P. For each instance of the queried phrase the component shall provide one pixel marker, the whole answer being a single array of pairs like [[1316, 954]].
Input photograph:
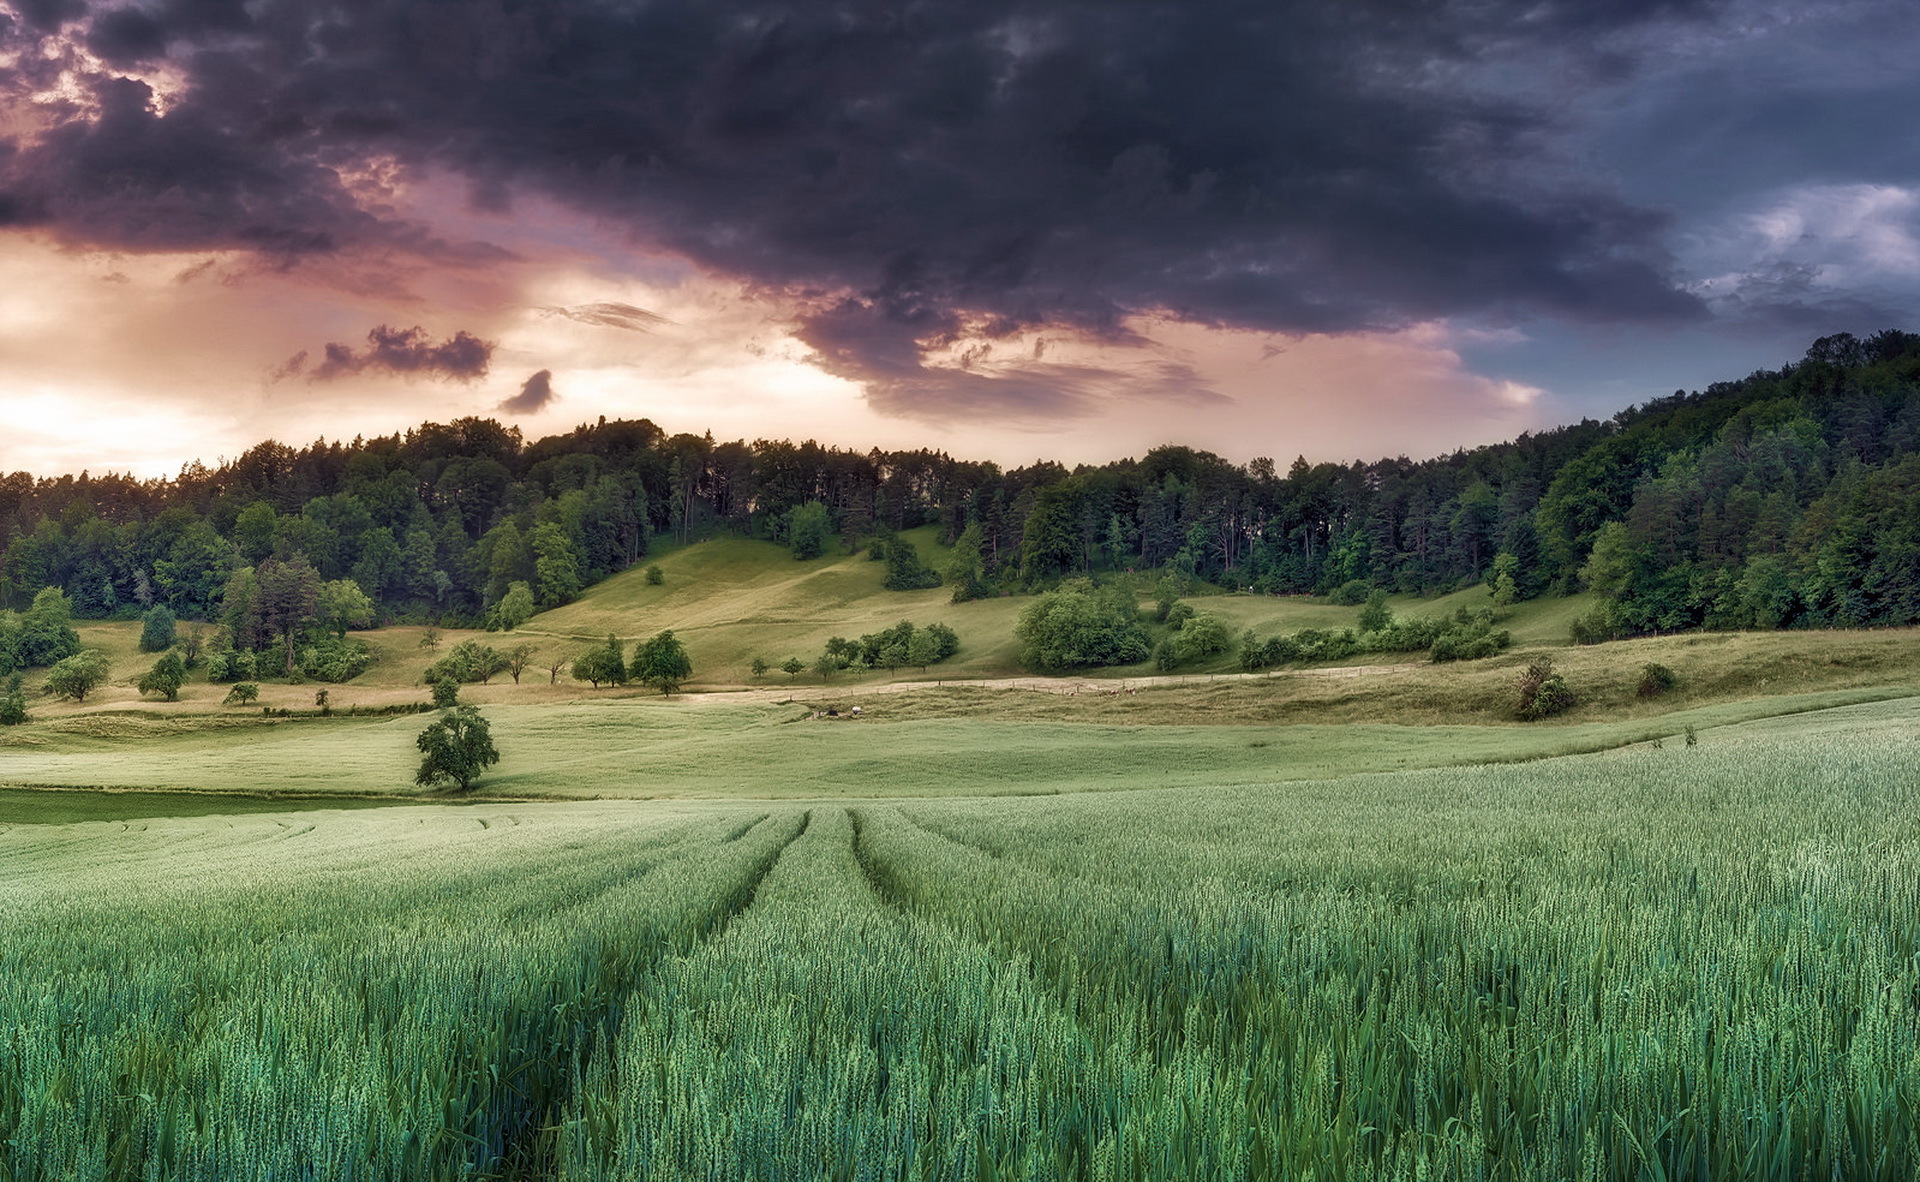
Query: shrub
[[1177, 615], [1078, 626], [1202, 636], [905, 571], [41, 635], [807, 528], [446, 693], [1308, 644], [1600, 624], [1399, 635], [1375, 616], [1469, 637], [1656, 679], [1542, 691], [1324, 644], [13, 702], [228, 664], [335, 659], [468, 661], [945, 640], [1164, 658], [1351, 593], [655, 576], [1253, 654], [1460, 646]]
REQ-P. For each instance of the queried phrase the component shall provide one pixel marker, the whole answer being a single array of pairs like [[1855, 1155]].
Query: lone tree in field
[[793, 668], [157, 629], [457, 748], [243, 693], [661, 661], [165, 678], [77, 676]]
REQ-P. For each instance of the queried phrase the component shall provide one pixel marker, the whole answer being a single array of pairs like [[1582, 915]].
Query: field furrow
[[355, 1009]]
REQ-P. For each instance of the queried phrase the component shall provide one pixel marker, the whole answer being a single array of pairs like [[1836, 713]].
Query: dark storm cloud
[[534, 395], [461, 357], [884, 350], [1787, 299], [952, 166]]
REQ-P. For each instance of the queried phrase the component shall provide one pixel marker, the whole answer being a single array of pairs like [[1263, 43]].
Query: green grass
[[650, 748], [1685, 962]]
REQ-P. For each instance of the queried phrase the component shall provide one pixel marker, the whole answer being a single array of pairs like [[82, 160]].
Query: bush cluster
[[1543, 692], [890, 648], [1656, 679], [1465, 635], [1081, 626], [39, 636]]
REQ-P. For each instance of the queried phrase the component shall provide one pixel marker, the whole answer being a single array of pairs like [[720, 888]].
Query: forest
[[1789, 498]]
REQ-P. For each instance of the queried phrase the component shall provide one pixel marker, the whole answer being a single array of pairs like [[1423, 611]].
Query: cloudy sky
[[1343, 228]]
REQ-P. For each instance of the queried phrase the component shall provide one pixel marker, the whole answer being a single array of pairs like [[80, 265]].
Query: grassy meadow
[[1684, 962], [733, 599]]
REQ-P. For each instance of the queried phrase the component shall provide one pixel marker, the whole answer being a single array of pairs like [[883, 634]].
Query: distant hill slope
[[733, 599], [730, 600]]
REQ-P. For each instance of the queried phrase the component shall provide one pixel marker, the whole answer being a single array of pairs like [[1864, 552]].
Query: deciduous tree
[[78, 675], [515, 608], [165, 678], [807, 528], [604, 664], [457, 748], [661, 662]]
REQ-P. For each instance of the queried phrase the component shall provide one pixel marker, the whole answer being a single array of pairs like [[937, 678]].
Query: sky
[[1343, 229]]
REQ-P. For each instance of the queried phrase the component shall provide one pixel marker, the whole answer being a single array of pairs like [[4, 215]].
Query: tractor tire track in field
[[527, 1102], [876, 881]]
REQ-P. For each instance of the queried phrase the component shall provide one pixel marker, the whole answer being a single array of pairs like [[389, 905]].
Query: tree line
[[1786, 498]]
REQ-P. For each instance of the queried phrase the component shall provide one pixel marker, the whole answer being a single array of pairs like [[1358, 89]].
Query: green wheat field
[[1683, 962]]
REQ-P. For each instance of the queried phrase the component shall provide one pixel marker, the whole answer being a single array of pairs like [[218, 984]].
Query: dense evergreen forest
[[1790, 498]]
